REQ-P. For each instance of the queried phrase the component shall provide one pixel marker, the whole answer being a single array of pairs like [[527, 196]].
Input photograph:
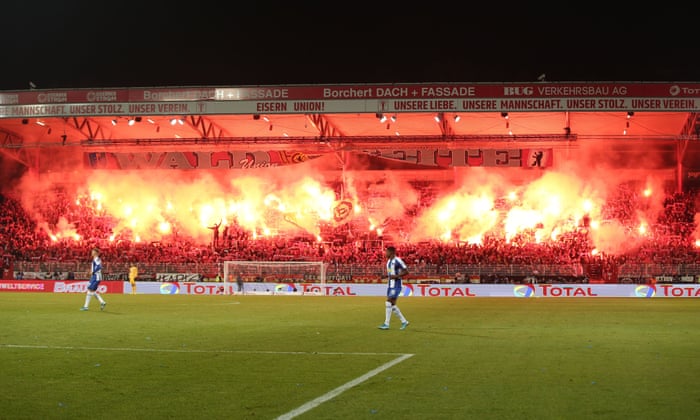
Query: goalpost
[[267, 275]]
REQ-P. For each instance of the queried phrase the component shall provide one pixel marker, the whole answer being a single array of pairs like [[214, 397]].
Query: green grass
[[261, 357]]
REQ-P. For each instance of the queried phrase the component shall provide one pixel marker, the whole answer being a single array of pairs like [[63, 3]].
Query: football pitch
[[320, 357]]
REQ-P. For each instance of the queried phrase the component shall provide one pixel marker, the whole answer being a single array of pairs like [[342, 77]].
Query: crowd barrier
[[363, 273]]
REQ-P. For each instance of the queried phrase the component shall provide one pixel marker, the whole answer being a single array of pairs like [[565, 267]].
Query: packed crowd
[[670, 241]]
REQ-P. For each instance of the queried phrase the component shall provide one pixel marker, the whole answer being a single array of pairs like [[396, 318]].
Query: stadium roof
[[323, 118]]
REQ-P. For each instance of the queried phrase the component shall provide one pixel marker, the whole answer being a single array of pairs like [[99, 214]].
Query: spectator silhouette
[[537, 156]]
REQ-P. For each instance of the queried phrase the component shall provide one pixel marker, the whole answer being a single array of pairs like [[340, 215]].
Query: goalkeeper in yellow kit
[[133, 273]]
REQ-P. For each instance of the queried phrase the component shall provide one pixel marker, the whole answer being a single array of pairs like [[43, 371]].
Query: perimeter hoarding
[[352, 289], [324, 99], [58, 286]]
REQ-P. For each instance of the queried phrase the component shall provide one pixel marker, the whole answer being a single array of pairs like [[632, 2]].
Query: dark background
[[77, 43]]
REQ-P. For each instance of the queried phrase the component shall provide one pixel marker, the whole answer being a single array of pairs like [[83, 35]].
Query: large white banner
[[350, 106]]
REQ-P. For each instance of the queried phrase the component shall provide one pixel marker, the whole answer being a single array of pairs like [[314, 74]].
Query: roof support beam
[[12, 146], [90, 129], [207, 128], [325, 128], [691, 130]]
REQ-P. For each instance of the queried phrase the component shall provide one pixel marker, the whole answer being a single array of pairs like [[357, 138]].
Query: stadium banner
[[177, 277], [58, 286], [362, 98], [347, 106], [423, 157], [424, 290], [195, 160], [64, 275], [54, 275], [449, 158], [412, 91]]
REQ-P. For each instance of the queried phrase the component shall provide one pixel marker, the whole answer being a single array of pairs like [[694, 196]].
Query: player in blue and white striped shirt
[[395, 269], [95, 279]]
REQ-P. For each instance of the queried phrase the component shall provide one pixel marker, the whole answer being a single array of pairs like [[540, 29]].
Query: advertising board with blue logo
[[424, 290]]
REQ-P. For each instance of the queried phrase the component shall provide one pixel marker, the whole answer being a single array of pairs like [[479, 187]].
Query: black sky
[[79, 44]]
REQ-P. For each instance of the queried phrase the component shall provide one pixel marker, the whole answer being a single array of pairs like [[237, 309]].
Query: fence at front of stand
[[446, 272]]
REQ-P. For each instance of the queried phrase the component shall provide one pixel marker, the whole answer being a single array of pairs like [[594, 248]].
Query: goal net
[[268, 275]]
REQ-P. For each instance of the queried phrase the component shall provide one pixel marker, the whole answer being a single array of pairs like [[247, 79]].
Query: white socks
[[395, 309], [398, 313], [89, 295]]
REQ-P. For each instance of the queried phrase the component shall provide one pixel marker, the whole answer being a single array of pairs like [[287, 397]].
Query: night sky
[[78, 43]]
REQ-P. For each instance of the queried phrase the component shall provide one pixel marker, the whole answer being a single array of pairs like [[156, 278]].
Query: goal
[[253, 272]]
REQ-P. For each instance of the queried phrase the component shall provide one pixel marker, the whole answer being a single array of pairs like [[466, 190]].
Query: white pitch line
[[297, 411], [334, 393]]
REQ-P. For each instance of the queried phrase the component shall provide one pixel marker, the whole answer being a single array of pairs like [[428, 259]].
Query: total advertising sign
[[524, 291]]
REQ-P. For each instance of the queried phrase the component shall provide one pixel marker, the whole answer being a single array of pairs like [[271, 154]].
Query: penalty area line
[[339, 390]]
